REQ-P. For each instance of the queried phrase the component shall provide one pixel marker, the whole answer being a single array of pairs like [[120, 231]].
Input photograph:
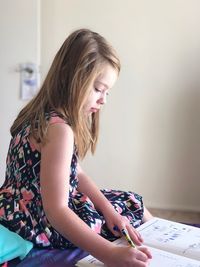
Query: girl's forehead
[[107, 76], [99, 82]]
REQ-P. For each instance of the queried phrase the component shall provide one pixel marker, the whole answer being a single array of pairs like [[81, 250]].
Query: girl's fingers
[[141, 256], [135, 235], [133, 232], [146, 251]]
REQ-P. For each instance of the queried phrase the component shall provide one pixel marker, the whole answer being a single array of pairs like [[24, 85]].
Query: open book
[[172, 244]]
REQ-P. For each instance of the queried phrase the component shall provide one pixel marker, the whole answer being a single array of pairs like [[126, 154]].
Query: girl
[[46, 197]]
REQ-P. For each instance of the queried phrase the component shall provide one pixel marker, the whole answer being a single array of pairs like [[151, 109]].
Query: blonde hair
[[66, 88]]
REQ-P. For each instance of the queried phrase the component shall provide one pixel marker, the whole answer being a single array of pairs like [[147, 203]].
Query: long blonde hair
[[66, 88]]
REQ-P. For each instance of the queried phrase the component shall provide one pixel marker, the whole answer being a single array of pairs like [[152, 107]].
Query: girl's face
[[100, 89]]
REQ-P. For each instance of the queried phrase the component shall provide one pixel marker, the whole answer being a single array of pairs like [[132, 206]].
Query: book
[[172, 244]]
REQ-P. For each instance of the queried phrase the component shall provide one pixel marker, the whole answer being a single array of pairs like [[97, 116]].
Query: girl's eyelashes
[[97, 90], [100, 91]]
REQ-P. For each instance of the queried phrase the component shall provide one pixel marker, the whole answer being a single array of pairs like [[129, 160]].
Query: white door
[[19, 43]]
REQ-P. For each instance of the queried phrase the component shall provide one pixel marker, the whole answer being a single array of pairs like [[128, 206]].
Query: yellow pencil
[[127, 237]]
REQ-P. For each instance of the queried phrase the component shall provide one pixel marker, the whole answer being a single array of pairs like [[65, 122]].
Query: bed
[[52, 257]]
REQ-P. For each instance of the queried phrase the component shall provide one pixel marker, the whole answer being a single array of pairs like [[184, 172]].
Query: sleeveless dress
[[21, 208]]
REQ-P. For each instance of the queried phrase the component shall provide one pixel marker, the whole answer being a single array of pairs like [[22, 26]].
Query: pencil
[[127, 237]]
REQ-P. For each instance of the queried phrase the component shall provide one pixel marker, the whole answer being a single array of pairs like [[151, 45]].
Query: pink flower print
[[129, 218], [136, 205], [22, 206], [74, 192], [5, 264], [97, 226], [2, 212], [27, 195], [10, 217], [135, 201], [132, 197], [27, 130], [29, 162], [17, 140], [117, 193], [32, 146], [84, 198], [42, 239]]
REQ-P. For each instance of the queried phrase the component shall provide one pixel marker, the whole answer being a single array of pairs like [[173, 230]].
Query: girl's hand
[[117, 222], [128, 257]]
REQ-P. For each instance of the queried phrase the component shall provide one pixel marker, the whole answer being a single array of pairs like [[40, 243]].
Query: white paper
[[171, 236], [165, 259]]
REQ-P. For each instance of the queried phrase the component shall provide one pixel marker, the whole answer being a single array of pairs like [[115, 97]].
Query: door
[[20, 43]]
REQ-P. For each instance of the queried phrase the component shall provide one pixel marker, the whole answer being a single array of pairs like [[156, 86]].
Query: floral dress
[[21, 208]]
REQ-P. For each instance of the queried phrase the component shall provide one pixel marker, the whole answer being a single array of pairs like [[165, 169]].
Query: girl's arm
[[112, 217], [56, 157]]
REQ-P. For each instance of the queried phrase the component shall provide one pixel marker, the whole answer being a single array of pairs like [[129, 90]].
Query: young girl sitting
[[46, 197]]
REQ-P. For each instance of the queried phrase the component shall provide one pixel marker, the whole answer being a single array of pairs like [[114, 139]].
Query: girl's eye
[[97, 90], [101, 91]]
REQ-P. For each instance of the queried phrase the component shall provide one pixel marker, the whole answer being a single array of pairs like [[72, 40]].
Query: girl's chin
[[91, 111]]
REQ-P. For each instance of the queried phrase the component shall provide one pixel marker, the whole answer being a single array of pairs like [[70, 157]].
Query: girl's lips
[[94, 109]]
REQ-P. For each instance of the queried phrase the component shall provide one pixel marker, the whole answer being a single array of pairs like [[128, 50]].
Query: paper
[[173, 237]]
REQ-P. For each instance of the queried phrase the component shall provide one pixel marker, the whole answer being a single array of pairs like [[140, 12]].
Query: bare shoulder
[[59, 130], [59, 137], [58, 126]]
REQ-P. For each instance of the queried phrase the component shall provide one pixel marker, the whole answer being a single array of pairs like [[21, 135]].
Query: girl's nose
[[102, 99]]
